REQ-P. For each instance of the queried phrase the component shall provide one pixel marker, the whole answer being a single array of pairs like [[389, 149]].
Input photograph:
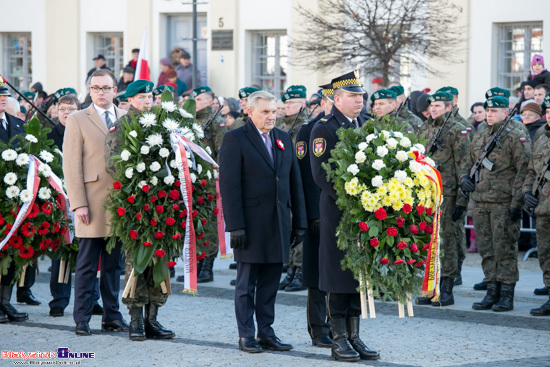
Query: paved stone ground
[[207, 332]]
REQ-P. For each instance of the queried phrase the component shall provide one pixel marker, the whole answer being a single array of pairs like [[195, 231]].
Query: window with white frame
[[110, 45], [17, 59], [270, 50]]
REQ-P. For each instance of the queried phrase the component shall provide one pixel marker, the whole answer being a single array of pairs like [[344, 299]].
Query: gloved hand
[[315, 226], [467, 185], [297, 235], [457, 212], [238, 239], [515, 214], [530, 200]]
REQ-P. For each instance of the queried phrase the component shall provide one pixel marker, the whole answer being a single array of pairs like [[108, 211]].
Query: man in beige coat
[[87, 185]]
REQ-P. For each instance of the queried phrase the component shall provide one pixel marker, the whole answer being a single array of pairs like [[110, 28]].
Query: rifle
[[540, 180], [435, 141], [402, 105], [209, 122], [311, 113]]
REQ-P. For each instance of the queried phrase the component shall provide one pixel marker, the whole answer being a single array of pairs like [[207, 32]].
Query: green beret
[[29, 95], [139, 86], [201, 90], [161, 88], [398, 89], [23, 109], [246, 91], [440, 96], [496, 91], [496, 102], [383, 94], [293, 92], [62, 92], [451, 90], [120, 97]]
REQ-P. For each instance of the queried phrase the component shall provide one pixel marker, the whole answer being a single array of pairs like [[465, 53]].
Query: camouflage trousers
[[295, 256], [543, 244], [212, 249], [146, 291], [447, 234], [497, 241], [460, 235]]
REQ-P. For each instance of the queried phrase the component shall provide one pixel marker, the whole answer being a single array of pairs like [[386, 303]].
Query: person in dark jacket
[[538, 71], [531, 118]]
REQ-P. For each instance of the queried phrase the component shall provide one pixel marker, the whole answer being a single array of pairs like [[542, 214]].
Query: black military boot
[[492, 297], [357, 343], [206, 274], [7, 308], [481, 286], [136, 331], [446, 297], [458, 278], [423, 300], [153, 328], [297, 283], [288, 279], [541, 291], [506, 301], [543, 310], [341, 348]]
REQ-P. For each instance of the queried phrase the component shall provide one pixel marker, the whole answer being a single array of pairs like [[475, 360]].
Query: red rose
[[206, 243], [184, 212], [414, 247], [423, 226], [401, 245], [399, 261], [374, 242], [117, 185], [146, 207], [400, 222], [407, 208], [147, 243], [177, 183], [380, 214], [121, 211], [200, 200], [429, 229], [176, 236], [414, 229], [426, 246], [363, 226], [16, 241], [131, 199], [183, 215], [134, 234], [203, 221], [171, 264], [420, 209], [160, 253], [419, 264], [26, 253], [138, 216], [175, 207], [174, 194], [44, 228], [153, 198], [183, 224], [210, 197], [159, 235], [34, 211], [159, 209], [200, 236], [195, 213], [162, 194], [153, 222], [201, 256], [170, 221], [384, 261], [411, 261], [215, 211], [203, 183], [429, 211], [391, 231], [146, 188]]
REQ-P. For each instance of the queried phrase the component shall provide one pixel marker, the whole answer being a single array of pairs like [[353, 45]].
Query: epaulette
[[326, 118], [305, 123]]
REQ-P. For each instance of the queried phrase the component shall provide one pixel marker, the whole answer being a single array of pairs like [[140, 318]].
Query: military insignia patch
[[490, 103], [464, 132], [319, 146], [148, 88], [301, 149], [522, 139]]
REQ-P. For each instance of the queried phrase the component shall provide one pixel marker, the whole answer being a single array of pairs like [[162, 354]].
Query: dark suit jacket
[[15, 127], [57, 134], [259, 195]]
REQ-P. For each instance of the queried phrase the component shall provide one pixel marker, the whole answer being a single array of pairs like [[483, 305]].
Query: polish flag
[[142, 67]]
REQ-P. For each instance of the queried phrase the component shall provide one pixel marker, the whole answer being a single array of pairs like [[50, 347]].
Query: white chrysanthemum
[[362, 146], [10, 178], [378, 164], [185, 114], [154, 180], [22, 159], [198, 131], [386, 134], [188, 133], [31, 138], [377, 181], [142, 183], [144, 149], [382, 151], [163, 152], [208, 150], [129, 172], [44, 193], [155, 166], [401, 156], [397, 134], [169, 180], [391, 143], [415, 167], [405, 142], [9, 155], [370, 137], [193, 177], [140, 167], [45, 170], [125, 155], [26, 195], [400, 175], [154, 140], [173, 163], [360, 157], [188, 154], [189, 163], [133, 134], [209, 175], [46, 156], [199, 169], [170, 125], [169, 106], [419, 147], [353, 169], [12, 192], [148, 120], [429, 161]]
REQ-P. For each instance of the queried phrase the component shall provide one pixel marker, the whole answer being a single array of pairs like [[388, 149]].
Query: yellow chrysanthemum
[[409, 200], [382, 190], [354, 182], [408, 182], [386, 201], [420, 195], [369, 208], [397, 205], [394, 196]]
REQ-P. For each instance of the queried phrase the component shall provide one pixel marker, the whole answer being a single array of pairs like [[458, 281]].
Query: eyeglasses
[[101, 89], [67, 109]]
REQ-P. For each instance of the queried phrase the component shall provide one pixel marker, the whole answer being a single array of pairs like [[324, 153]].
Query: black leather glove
[[297, 236], [515, 214], [238, 239], [530, 200], [315, 226], [467, 185], [457, 212]]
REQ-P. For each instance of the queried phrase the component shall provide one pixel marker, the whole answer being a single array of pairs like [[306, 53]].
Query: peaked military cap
[[383, 94], [158, 90], [349, 82], [201, 90], [496, 102], [246, 91], [398, 89], [294, 92], [327, 91], [440, 96], [139, 86], [451, 90], [496, 91], [29, 95], [3, 89]]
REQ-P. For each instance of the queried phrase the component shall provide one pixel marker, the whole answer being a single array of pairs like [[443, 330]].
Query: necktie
[[354, 123], [267, 142], [4, 124], [108, 121]]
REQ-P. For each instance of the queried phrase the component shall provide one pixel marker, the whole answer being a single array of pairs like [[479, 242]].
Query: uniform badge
[[319, 146], [490, 103], [280, 144], [468, 129], [301, 149], [522, 139], [112, 129], [464, 132]]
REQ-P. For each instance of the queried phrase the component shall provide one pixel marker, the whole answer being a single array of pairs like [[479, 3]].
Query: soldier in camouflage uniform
[[403, 109], [384, 103], [545, 128], [243, 95], [498, 199], [140, 96], [540, 201], [455, 145]]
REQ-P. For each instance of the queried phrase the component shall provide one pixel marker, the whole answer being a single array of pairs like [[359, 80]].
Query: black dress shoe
[[180, 279], [233, 282], [82, 329], [29, 299], [56, 312], [233, 266], [273, 343], [249, 345], [321, 341], [115, 325], [97, 310]]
